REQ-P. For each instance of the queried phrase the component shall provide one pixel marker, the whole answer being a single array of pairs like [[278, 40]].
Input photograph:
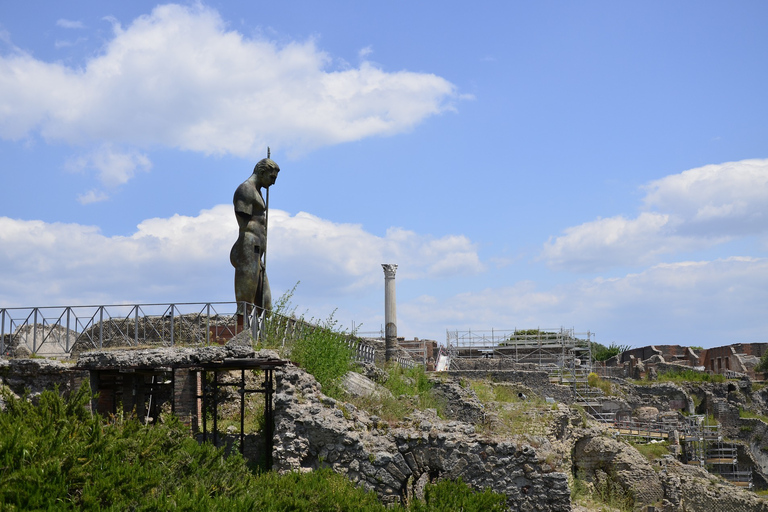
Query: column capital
[[389, 270]]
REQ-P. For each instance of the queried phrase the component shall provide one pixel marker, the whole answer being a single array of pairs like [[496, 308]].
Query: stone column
[[390, 312]]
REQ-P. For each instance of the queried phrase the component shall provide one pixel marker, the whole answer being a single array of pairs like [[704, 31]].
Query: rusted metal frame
[[269, 414], [267, 389]]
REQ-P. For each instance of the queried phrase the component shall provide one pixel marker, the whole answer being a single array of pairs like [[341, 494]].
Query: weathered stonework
[[313, 430], [36, 375]]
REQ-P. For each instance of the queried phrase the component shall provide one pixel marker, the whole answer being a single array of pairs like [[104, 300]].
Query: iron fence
[[64, 330]]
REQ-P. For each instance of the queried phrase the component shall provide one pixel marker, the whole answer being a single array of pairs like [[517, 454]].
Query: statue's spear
[[264, 251]]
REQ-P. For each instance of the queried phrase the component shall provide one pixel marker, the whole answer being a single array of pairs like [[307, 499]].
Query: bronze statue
[[248, 255]]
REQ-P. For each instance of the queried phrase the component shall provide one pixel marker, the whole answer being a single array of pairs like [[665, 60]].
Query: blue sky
[[601, 166]]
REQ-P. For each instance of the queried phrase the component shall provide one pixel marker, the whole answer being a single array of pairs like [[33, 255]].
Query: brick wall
[[187, 387]]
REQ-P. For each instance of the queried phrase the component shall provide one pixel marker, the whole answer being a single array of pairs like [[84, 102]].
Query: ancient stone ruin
[[536, 471]]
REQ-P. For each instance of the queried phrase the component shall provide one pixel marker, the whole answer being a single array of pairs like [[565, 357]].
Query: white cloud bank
[[179, 78], [186, 259], [707, 303], [696, 209]]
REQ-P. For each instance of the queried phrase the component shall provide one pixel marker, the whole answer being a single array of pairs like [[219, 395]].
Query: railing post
[[207, 324], [101, 327], [172, 330], [136, 325], [34, 332], [2, 331], [69, 311]]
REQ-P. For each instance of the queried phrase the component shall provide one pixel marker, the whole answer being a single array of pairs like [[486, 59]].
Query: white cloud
[[724, 199], [69, 23], [63, 43], [365, 52], [180, 78], [92, 196], [706, 303], [185, 258], [695, 209], [345, 257], [112, 166]]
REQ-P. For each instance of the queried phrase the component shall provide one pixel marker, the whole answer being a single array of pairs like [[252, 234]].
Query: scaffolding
[[564, 354], [557, 350], [704, 446]]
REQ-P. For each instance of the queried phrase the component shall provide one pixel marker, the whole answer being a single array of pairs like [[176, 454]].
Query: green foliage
[[410, 389], [687, 375], [762, 366], [603, 353], [652, 451], [528, 332], [321, 350], [607, 491], [324, 352], [57, 456], [408, 381], [513, 416], [450, 495], [746, 413], [594, 380]]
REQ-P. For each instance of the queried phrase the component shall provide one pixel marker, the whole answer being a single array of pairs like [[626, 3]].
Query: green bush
[[690, 376], [456, 495], [603, 353], [324, 352], [58, 456]]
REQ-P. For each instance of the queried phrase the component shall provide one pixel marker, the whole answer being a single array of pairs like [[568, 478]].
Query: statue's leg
[[246, 274], [267, 293]]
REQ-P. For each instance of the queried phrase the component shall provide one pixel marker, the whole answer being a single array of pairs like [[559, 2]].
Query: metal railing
[[64, 330], [363, 353]]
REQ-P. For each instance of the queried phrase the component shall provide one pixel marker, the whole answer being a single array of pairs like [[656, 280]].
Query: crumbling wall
[[313, 430], [536, 380], [36, 375]]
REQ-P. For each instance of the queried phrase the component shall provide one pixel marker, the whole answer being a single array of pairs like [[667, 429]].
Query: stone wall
[[663, 396], [313, 430], [36, 375]]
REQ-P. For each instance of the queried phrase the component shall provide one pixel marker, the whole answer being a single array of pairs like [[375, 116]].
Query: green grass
[[745, 413], [58, 456], [595, 381], [690, 376], [514, 416], [410, 389], [683, 376], [652, 451]]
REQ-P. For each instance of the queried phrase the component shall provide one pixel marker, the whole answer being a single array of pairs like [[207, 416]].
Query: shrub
[[456, 495], [324, 352], [594, 381], [603, 353], [58, 456]]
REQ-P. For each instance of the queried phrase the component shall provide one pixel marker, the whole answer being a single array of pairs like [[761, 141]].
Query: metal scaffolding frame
[[562, 352]]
